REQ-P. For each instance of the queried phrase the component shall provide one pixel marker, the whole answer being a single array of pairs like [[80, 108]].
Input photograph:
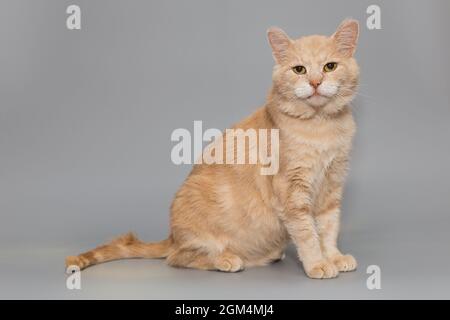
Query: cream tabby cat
[[228, 217]]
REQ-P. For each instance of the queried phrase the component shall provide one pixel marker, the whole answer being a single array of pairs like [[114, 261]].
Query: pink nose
[[315, 83]]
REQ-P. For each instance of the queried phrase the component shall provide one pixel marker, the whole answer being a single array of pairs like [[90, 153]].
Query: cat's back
[[220, 184]]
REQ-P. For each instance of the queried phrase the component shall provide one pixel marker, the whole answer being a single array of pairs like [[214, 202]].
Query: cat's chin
[[317, 101]]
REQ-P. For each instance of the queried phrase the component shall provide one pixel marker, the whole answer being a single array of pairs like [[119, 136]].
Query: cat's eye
[[299, 69], [330, 66]]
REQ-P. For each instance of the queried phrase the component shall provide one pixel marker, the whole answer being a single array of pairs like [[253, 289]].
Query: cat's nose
[[315, 83]]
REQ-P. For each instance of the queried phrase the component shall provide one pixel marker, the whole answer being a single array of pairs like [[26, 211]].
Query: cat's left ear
[[346, 37]]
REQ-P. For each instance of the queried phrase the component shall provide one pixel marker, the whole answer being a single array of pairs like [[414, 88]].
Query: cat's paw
[[229, 263], [344, 262], [323, 269]]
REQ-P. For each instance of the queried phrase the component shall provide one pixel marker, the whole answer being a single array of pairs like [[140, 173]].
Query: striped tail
[[123, 247]]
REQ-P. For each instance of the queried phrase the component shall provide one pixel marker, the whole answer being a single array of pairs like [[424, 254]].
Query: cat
[[230, 217]]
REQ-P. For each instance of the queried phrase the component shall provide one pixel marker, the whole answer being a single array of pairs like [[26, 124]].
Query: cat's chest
[[313, 158], [321, 139]]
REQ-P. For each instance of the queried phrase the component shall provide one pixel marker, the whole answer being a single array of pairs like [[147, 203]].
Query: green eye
[[299, 69], [330, 66]]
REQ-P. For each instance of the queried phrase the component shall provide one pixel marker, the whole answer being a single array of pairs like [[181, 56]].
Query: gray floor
[[412, 255]]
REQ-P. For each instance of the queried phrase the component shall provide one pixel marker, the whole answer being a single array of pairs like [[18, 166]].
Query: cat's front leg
[[328, 227], [300, 224], [327, 216]]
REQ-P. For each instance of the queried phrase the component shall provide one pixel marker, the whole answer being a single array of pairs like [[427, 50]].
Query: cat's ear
[[346, 37], [280, 42]]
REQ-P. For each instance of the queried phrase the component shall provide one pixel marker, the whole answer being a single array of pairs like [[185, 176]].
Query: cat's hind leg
[[192, 258], [228, 262]]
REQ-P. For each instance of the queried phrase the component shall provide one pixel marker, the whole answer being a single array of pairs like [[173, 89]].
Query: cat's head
[[315, 74]]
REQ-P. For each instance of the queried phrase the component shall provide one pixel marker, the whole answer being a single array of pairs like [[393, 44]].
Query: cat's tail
[[124, 247]]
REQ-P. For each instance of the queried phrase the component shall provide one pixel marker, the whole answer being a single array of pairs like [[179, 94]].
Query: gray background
[[86, 118]]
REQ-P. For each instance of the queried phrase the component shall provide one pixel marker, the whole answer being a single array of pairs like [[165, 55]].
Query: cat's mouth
[[317, 99], [315, 94]]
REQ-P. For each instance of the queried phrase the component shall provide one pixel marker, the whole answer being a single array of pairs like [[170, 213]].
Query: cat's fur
[[228, 217]]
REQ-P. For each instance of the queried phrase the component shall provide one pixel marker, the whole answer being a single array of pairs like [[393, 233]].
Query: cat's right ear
[[280, 42]]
